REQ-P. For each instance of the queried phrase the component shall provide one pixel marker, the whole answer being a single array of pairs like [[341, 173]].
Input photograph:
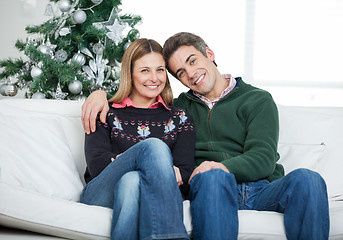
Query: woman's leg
[[161, 209], [126, 207], [161, 213]]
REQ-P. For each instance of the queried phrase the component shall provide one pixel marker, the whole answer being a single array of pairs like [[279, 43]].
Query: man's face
[[194, 70]]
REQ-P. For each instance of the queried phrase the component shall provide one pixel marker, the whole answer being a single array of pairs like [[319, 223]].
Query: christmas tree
[[77, 51]]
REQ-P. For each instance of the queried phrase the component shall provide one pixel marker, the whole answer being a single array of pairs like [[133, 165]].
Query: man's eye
[[192, 62], [180, 74]]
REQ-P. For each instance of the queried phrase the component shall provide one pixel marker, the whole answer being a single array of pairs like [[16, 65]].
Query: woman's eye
[[160, 69], [144, 70]]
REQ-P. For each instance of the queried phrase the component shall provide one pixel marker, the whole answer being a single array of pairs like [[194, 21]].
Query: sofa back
[[41, 145]]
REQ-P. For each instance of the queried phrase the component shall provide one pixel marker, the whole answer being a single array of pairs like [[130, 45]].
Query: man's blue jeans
[[301, 195], [140, 185]]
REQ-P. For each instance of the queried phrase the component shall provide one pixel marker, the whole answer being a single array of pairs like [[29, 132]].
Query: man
[[236, 150]]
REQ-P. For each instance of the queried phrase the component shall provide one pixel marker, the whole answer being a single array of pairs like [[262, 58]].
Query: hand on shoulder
[[96, 102]]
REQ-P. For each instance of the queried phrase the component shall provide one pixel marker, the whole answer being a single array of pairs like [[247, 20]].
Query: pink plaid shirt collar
[[128, 103], [231, 86]]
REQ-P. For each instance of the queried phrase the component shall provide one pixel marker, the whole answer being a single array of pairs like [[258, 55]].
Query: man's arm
[[96, 102]]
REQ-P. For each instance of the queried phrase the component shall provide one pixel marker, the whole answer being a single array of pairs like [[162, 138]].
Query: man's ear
[[210, 54]]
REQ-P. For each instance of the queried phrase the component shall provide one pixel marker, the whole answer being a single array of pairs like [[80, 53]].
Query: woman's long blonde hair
[[136, 50]]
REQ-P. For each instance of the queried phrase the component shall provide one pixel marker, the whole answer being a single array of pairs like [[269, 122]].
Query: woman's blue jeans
[[301, 195], [140, 185]]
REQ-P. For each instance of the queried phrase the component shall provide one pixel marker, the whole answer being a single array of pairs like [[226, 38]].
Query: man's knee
[[307, 181], [213, 181]]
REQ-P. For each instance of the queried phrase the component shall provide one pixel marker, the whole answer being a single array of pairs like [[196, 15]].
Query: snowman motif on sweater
[[143, 131]]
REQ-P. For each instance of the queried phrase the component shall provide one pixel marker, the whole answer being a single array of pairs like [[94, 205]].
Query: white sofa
[[42, 165]]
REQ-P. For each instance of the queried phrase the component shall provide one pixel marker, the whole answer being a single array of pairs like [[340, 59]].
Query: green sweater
[[241, 131]]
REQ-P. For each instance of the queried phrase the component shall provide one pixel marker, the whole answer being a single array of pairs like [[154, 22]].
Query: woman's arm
[[183, 151]]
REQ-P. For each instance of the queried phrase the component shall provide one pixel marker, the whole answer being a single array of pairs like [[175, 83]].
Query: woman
[[139, 158]]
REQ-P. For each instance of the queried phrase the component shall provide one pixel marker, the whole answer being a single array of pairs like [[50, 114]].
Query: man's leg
[[301, 195], [214, 206]]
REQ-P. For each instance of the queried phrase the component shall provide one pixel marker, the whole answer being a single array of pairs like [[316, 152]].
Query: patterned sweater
[[127, 126]]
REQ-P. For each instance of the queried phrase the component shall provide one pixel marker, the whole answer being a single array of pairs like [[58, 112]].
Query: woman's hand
[[178, 176], [96, 102]]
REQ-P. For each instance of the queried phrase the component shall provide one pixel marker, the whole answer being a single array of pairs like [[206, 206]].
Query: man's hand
[[96, 102], [206, 166], [178, 176]]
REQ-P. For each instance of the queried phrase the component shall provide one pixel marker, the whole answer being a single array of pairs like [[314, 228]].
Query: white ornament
[[98, 48], [96, 1], [64, 5], [114, 26], [43, 49], [38, 95], [2, 89], [58, 95], [79, 16], [79, 59], [64, 31], [61, 55], [10, 90], [36, 72], [81, 97], [48, 10], [75, 87], [115, 33]]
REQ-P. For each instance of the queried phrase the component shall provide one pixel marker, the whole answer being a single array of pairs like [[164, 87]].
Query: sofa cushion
[[317, 126], [35, 154], [38, 212], [294, 156]]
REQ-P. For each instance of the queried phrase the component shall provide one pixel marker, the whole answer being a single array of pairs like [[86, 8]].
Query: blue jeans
[[140, 185], [301, 195]]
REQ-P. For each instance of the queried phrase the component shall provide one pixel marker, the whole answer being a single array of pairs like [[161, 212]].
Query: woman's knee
[[155, 150], [155, 144]]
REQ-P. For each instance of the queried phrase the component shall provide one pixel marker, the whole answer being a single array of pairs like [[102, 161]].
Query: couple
[[235, 153]]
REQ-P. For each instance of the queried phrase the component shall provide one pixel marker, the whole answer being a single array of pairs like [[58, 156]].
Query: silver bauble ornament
[[36, 72], [38, 95], [98, 48], [2, 89], [81, 97], [96, 1], [79, 59], [64, 5], [75, 87], [79, 16], [47, 50], [11, 90], [61, 55]]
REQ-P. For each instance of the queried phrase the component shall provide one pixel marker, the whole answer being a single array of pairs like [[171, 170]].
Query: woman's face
[[149, 79]]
